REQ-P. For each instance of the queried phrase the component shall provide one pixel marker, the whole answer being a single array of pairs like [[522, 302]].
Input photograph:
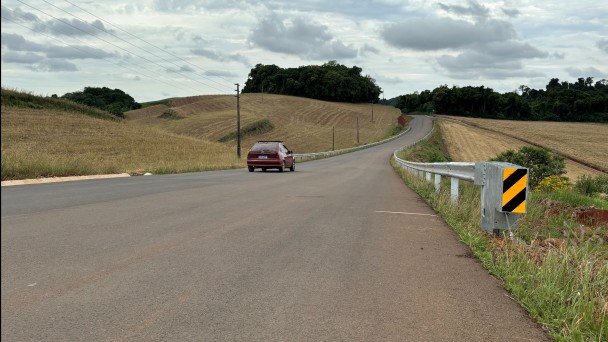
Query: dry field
[[42, 142], [585, 141], [304, 124], [470, 144], [32, 138]]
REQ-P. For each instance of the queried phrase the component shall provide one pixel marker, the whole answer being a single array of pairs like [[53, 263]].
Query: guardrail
[[504, 187], [455, 170], [310, 156]]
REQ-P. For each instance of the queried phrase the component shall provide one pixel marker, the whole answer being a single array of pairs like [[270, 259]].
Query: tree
[[114, 101], [330, 81], [540, 162]]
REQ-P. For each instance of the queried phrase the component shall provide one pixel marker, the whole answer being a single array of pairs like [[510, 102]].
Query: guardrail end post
[[454, 190]]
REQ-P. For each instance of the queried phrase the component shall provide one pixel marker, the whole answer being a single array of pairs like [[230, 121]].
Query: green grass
[[254, 128], [13, 98], [555, 267], [170, 114]]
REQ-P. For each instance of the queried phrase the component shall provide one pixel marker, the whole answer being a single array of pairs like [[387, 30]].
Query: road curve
[[340, 250]]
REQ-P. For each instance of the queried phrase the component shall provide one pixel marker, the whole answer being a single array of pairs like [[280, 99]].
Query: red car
[[270, 155]]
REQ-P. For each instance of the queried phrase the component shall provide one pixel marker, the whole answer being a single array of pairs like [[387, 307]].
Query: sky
[[157, 49]]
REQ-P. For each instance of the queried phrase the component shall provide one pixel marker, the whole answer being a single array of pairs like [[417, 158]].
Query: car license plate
[[263, 157]]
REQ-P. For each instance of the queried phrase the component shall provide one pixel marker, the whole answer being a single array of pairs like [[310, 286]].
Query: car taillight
[[273, 155]]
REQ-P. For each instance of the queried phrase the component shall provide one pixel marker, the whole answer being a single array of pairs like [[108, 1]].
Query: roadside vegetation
[[555, 264], [20, 99], [254, 128]]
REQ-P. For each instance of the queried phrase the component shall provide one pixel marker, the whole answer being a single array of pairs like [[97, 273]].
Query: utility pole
[[357, 130], [238, 121], [333, 138], [372, 110]]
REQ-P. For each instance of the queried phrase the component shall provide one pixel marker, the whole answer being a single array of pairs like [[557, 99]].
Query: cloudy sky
[[154, 49]]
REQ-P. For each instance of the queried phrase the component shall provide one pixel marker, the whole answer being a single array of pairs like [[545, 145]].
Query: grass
[[565, 138], [13, 98], [472, 144], [305, 125], [53, 144], [554, 266], [252, 129], [47, 137]]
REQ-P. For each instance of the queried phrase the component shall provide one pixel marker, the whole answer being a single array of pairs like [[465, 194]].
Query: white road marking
[[403, 213], [34, 284]]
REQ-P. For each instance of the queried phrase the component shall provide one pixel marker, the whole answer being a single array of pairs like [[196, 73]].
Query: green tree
[[114, 101], [540, 162]]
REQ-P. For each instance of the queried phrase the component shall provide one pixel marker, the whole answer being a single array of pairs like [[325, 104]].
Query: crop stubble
[[472, 144]]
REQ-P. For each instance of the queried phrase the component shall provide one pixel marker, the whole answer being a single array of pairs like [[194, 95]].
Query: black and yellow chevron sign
[[514, 186]]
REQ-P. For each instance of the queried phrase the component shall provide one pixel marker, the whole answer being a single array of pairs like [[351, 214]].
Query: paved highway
[[340, 250]]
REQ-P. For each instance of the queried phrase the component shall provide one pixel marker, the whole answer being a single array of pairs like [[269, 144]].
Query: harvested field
[[41, 143], [584, 141], [304, 124], [473, 144]]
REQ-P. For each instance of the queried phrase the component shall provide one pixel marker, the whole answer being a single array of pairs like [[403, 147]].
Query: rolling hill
[[304, 124]]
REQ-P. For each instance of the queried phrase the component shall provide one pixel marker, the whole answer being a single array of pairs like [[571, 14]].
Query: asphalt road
[[340, 250]]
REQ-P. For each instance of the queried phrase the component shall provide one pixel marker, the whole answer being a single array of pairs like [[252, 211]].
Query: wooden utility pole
[[238, 121], [357, 130], [372, 110], [333, 138]]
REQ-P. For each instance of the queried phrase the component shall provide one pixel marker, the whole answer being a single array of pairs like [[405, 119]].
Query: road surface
[[340, 250]]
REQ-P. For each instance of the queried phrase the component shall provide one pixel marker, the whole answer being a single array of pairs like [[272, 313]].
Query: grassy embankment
[[553, 265], [46, 137]]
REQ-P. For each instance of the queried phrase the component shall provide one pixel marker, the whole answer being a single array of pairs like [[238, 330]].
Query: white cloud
[[406, 46]]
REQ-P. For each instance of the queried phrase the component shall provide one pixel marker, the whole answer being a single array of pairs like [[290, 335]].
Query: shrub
[[170, 114], [539, 161], [254, 128], [590, 186], [553, 184]]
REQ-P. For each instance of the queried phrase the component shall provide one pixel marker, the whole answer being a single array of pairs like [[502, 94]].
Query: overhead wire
[[117, 46], [145, 41], [96, 55]]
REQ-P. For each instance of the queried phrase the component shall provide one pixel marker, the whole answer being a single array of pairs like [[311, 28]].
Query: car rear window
[[265, 147]]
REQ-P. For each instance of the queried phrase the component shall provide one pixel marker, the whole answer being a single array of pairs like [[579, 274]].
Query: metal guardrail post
[[428, 176], [437, 183], [454, 190]]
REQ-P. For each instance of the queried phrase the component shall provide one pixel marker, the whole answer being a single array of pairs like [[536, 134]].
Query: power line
[[119, 47], [96, 55], [143, 40]]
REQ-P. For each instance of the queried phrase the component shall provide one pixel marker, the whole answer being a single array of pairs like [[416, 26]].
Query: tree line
[[114, 101], [582, 100], [330, 82]]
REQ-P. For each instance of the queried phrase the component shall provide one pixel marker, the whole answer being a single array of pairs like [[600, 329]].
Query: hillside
[[586, 142], [304, 124], [42, 139], [43, 143]]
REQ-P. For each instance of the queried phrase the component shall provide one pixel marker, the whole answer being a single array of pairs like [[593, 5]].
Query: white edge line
[[403, 213]]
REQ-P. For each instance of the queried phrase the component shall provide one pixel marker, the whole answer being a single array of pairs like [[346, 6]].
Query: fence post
[[437, 183], [454, 190], [428, 176]]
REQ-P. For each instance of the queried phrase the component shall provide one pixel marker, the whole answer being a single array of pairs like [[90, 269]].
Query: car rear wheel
[[293, 166], [282, 167], [250, 168]]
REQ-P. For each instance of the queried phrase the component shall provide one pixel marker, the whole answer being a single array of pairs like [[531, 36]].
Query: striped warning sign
[[514, 186]]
